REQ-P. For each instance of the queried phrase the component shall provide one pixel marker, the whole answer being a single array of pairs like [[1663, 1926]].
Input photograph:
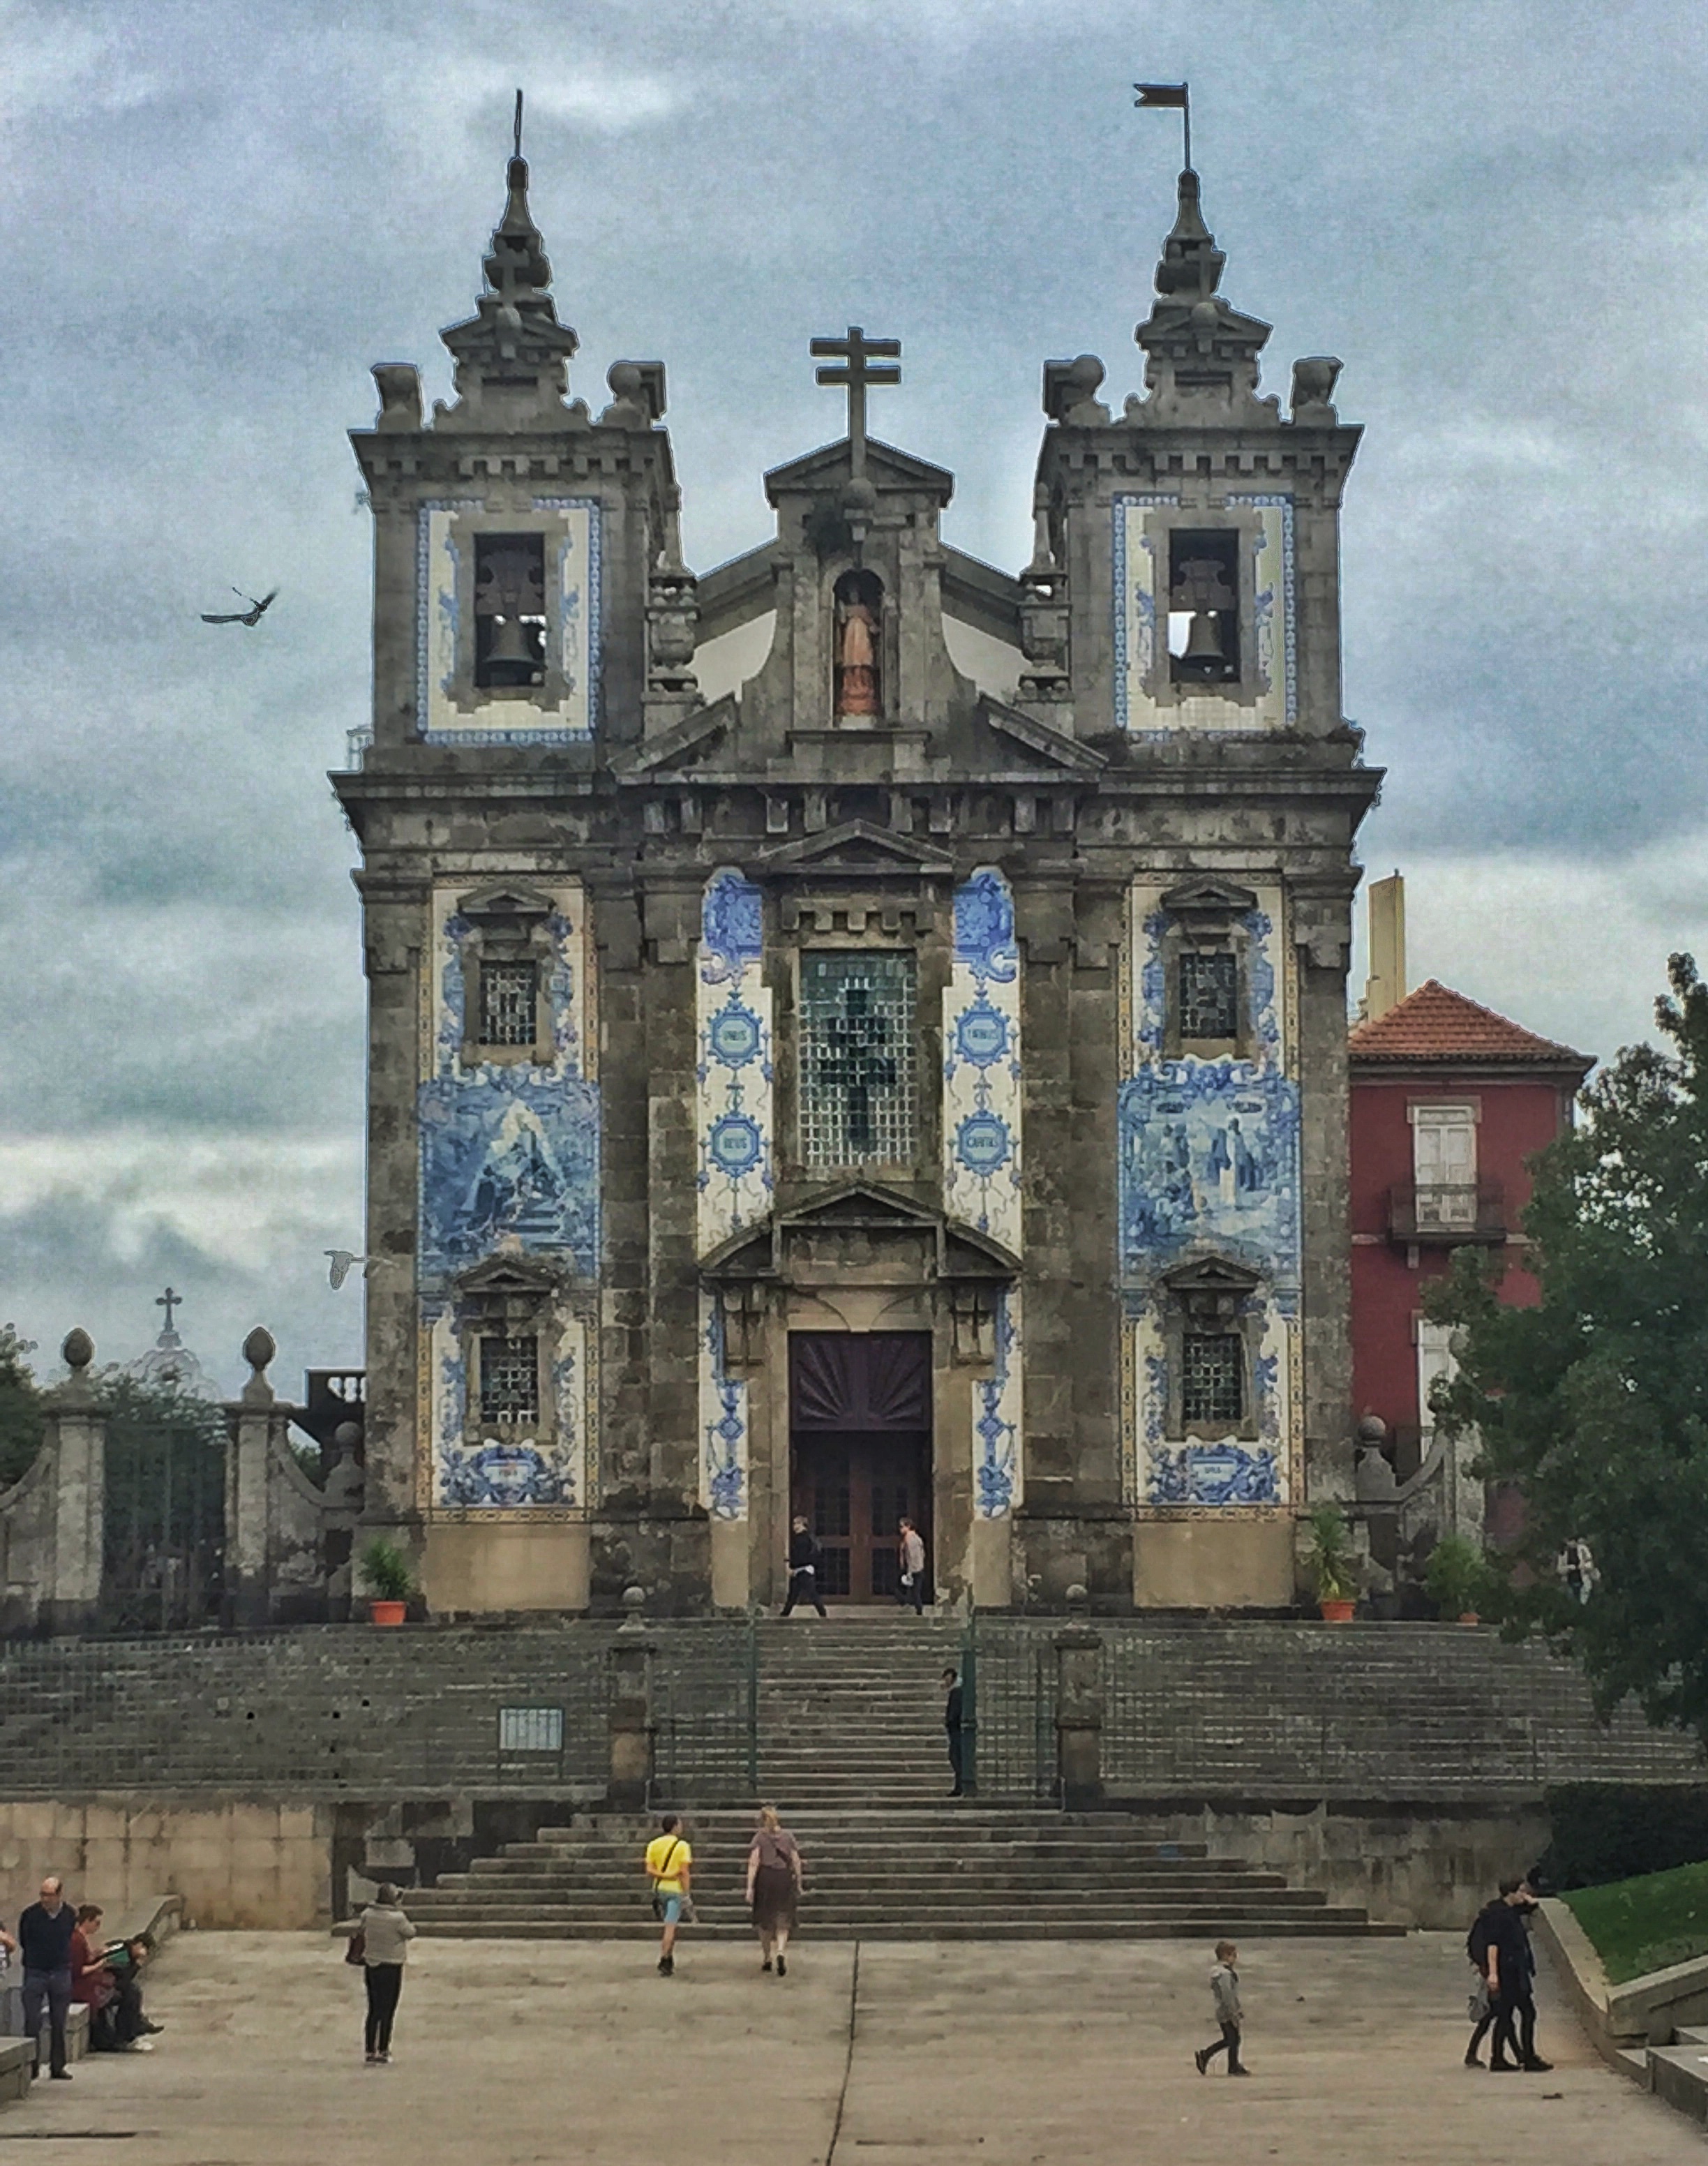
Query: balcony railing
[[1420, 1212]]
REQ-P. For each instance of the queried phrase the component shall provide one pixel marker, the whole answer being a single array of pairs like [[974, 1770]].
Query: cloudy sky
[[217, 218]]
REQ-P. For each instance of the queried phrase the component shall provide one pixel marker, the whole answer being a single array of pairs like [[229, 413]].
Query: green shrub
[[1330, 1562], [1457, 1579], [1606, 1831], [387, 1572]]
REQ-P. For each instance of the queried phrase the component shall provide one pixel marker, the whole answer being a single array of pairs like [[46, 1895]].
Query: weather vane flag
[[1176, 97]]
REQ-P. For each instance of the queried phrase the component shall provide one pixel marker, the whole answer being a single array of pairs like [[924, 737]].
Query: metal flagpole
[[1172, 96]]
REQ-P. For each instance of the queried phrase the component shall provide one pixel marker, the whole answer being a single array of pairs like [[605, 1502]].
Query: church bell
[[1204, 647], [513, 657]]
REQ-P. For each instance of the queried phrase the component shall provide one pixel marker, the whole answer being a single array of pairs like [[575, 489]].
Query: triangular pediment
[[1048, 746], [955, 1251], [857, 850], [886, 467], [508, 900], [1211, 1275], [510, 1273], [672, 749], [1207, 895]]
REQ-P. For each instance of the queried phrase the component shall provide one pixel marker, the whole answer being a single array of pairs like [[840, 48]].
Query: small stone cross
[[169, 1301], [855, 351]]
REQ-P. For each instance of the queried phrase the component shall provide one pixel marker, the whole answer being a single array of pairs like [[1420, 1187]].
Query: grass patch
[[1646, 1924]]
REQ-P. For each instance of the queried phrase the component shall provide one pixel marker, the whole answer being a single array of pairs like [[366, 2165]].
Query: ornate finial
[[511, 356], [1192, 264], [78, 1350], [260, 1348], [855, 351]]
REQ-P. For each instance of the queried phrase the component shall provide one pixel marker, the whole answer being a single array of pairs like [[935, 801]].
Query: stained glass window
[[856, 1057], [509, 1380], [1212, 1381], [1209, 993], [507, 998]]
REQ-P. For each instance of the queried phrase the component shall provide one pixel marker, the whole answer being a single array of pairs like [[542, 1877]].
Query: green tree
[[1596, 1400], [21, 1411]]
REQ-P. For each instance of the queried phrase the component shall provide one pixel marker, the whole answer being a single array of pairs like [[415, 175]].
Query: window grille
[[856, 1057], [1212, 1381], [509, 1380], [530, 1730], [1209, 993], [507, 994]]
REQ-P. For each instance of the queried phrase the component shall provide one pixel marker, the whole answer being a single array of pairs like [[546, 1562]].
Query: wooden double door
[[861, 1452]]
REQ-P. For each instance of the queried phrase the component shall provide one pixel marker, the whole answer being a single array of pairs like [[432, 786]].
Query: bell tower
[[532, 618]]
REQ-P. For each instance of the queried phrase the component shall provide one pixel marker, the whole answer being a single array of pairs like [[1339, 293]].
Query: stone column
[[250, 1438], [631, 1709], [1079, 1716], [77, 1439]]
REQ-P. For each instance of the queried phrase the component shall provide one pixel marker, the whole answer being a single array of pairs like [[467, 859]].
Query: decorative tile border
[[734, 1075]]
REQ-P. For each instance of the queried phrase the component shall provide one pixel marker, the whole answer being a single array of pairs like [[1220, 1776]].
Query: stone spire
[[1200, 354], [512, 355]]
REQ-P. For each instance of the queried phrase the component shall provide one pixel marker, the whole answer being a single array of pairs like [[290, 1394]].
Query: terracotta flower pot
[[1336, 1612], [1469, 1617], [386, 1612]]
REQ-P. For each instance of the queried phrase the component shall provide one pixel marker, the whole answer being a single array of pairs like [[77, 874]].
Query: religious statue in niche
[[859, 605]]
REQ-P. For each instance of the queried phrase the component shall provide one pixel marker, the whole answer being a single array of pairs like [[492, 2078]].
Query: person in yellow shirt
[[670, 1867]]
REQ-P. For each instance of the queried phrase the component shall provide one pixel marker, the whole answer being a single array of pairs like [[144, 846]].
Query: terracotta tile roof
[[1435, 1023]]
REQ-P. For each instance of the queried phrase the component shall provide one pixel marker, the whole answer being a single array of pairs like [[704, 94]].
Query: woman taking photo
[[773, 1887], [386, 1934]]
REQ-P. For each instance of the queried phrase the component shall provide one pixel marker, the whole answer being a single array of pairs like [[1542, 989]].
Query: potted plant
[[390, 1580], [1457, 1577], [1332, 1564]]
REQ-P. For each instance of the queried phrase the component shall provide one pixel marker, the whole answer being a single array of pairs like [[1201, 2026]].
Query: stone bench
[[17, 2066]]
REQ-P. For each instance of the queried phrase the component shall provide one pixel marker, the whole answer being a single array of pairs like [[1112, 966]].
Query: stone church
[[857, 1031]]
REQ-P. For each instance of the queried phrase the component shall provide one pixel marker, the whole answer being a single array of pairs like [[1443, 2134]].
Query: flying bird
[[253, 614], [342, 1262]]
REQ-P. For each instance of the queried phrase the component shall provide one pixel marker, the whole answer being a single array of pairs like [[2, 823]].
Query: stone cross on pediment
[[857, 353]]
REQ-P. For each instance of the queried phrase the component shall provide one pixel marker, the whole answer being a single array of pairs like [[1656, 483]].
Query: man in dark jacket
[[952, 1705], [45, 1938], [1511, 1969], [805, 1560]]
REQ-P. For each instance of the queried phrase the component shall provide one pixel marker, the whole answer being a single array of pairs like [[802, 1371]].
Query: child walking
[[1225, 1992]]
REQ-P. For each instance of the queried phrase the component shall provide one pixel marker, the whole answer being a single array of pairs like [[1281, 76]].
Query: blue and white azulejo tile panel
[[542, 1465], [1209, 1167], [509, 1165], [1140, 593], [733, 1076], [448, 711], [982, 1063], [998, 1431], [723, 1421]]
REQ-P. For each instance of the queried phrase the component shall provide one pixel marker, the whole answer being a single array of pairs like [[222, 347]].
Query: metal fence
[[1008, 1680], [703, 1688]]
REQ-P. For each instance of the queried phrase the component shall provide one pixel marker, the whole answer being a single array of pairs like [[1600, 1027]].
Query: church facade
[[856, 1033]]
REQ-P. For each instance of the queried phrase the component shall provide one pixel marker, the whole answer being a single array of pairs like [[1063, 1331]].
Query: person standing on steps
[[670, 1867], [386, 1934], [44, 1936], [910, 1551], [804, 1561], [954, 1704], [773, 1887]]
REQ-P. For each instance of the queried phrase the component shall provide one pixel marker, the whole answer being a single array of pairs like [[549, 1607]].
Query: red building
[[1449, 1100]]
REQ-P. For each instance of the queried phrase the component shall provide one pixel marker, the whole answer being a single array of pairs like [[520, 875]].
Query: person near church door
[[910, 1551], [805, 1569], [954, 1704], [773, 1887]]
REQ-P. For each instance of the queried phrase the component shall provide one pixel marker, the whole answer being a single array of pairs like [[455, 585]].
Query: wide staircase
[[850, 1750]]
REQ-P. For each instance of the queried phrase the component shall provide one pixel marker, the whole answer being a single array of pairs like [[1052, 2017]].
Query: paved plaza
[[1007, 2054]]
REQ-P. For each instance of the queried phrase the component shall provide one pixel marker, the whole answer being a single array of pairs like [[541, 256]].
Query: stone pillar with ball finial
[[77, 1440], [251, 1420]]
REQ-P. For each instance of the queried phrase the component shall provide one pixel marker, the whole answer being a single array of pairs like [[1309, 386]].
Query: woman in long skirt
[[773, 1887]]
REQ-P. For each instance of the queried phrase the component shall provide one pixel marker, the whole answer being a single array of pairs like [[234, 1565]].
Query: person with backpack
[[1480, 2005], [669, 1868]]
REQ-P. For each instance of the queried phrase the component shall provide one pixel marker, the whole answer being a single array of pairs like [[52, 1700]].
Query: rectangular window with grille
[[509, 1380], [1213, 1378], [508, 996], [857, 1096], [1209, 993]]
